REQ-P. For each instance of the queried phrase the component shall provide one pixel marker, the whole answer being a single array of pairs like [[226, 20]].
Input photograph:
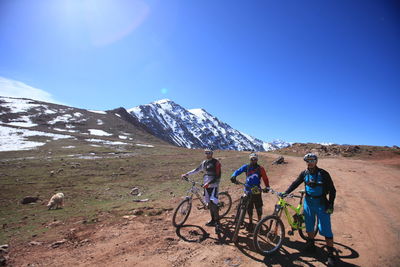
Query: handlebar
[[272, 191], [187, 179]]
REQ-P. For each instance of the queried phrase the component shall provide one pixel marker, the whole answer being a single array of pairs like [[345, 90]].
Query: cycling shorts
[[255, 201], [211, 194], [313, 209]]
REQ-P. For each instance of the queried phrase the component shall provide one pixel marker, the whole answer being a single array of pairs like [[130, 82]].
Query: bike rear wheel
[[224, 203], [182, 212], [269, 235], [301, 233]]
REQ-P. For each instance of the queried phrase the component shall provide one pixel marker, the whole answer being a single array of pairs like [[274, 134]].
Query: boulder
[[279, 160], [27, 200]]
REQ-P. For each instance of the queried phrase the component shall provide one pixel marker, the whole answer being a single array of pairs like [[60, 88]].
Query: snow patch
[[106, 142], [12, 139], [62, 118], [99, 132], [18, 105], [144, 145], [98, 111]]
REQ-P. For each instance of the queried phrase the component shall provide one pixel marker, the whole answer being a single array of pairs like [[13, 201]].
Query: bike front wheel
[[240, 214], [182, 212], [269, 235], [224, 203]]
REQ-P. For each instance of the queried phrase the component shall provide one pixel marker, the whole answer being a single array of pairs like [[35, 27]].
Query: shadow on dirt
[[298, 258], [194, 233]]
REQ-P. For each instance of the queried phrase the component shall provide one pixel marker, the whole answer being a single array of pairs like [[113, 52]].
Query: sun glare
[[106, 21]]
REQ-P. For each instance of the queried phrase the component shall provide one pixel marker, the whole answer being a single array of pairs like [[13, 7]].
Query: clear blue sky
[[301, 71]]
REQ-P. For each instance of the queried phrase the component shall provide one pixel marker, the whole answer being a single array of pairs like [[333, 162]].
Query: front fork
[[278, 210]]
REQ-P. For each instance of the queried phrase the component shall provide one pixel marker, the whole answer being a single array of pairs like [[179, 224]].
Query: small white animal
[[56, 201]]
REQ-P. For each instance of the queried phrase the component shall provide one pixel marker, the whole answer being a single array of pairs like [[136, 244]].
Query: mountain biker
[[318, 184], [212, 174], [254, 173]]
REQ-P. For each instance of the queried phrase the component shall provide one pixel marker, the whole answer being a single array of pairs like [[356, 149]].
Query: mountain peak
[[199, 112], [194, 128], [162, 101]]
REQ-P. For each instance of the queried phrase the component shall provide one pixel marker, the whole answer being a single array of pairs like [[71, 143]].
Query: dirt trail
[[366, 225]]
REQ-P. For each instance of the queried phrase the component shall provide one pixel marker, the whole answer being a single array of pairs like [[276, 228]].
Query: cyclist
[[254, 173], [318, 184], [212, 174]]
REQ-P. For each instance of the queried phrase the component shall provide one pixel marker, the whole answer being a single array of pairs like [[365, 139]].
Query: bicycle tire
[[301, 233], [261, 236], [237, 212], [224, 206], [186, 211], [239, 221]]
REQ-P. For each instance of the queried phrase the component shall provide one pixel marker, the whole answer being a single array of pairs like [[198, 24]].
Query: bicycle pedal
[[290, 232]]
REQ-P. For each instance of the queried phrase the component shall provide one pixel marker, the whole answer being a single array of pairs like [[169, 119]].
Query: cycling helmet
[[310, 156], [253, 155], [208, 151]]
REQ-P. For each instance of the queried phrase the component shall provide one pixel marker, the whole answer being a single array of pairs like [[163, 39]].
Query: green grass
[[95, 186]]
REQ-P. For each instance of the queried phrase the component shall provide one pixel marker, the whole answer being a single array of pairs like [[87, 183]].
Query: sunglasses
[[311, 161], [208, 153], [253, 159]]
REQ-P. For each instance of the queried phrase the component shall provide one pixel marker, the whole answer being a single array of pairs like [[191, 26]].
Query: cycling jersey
[[318, 184], [212, 172], [254, 173], [314, 184]]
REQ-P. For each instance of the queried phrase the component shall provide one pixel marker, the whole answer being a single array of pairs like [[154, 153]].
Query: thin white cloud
[[12, 88]]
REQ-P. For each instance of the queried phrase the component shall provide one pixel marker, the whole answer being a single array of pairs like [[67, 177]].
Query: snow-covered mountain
[[195, 128], [26, 124]]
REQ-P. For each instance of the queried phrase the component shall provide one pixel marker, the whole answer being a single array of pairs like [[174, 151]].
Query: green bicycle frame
[[283, 205]]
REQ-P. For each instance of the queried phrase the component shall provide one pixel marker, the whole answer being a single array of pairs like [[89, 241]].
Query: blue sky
[[301, 71]]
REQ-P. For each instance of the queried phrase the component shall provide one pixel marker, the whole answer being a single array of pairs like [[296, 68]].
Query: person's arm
[[239, 171], [296, 183], [218, 170], [330, 190], [197, 170], [264, 176]]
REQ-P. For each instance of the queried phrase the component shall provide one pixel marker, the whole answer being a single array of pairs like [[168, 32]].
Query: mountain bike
[[183, 209], [270, 231], [242, 209]]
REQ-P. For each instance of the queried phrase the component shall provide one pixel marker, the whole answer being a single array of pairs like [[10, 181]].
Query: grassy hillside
[[96, 182]]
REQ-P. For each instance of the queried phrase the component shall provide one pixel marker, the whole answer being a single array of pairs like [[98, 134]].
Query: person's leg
[[214, 204], [325, 228], [309, 216], [250, 208], [258, 204], [207, 195]]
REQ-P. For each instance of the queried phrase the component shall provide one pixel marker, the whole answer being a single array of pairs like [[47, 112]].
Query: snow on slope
[[194, 128], [12, 139]]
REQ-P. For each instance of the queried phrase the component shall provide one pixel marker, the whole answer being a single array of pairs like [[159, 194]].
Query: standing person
[[318, 184], [212, 174], [254, 173]]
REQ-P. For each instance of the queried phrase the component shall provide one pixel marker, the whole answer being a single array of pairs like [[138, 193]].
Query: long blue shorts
[[314, 209]]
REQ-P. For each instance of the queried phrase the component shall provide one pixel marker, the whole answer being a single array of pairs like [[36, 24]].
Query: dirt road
[[366, 225]]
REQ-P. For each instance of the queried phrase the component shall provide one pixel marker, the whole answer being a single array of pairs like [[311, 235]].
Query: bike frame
[[194, 190], [283, 205]]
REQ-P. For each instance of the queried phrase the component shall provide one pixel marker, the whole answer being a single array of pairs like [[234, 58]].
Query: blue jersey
[[253, 176]]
